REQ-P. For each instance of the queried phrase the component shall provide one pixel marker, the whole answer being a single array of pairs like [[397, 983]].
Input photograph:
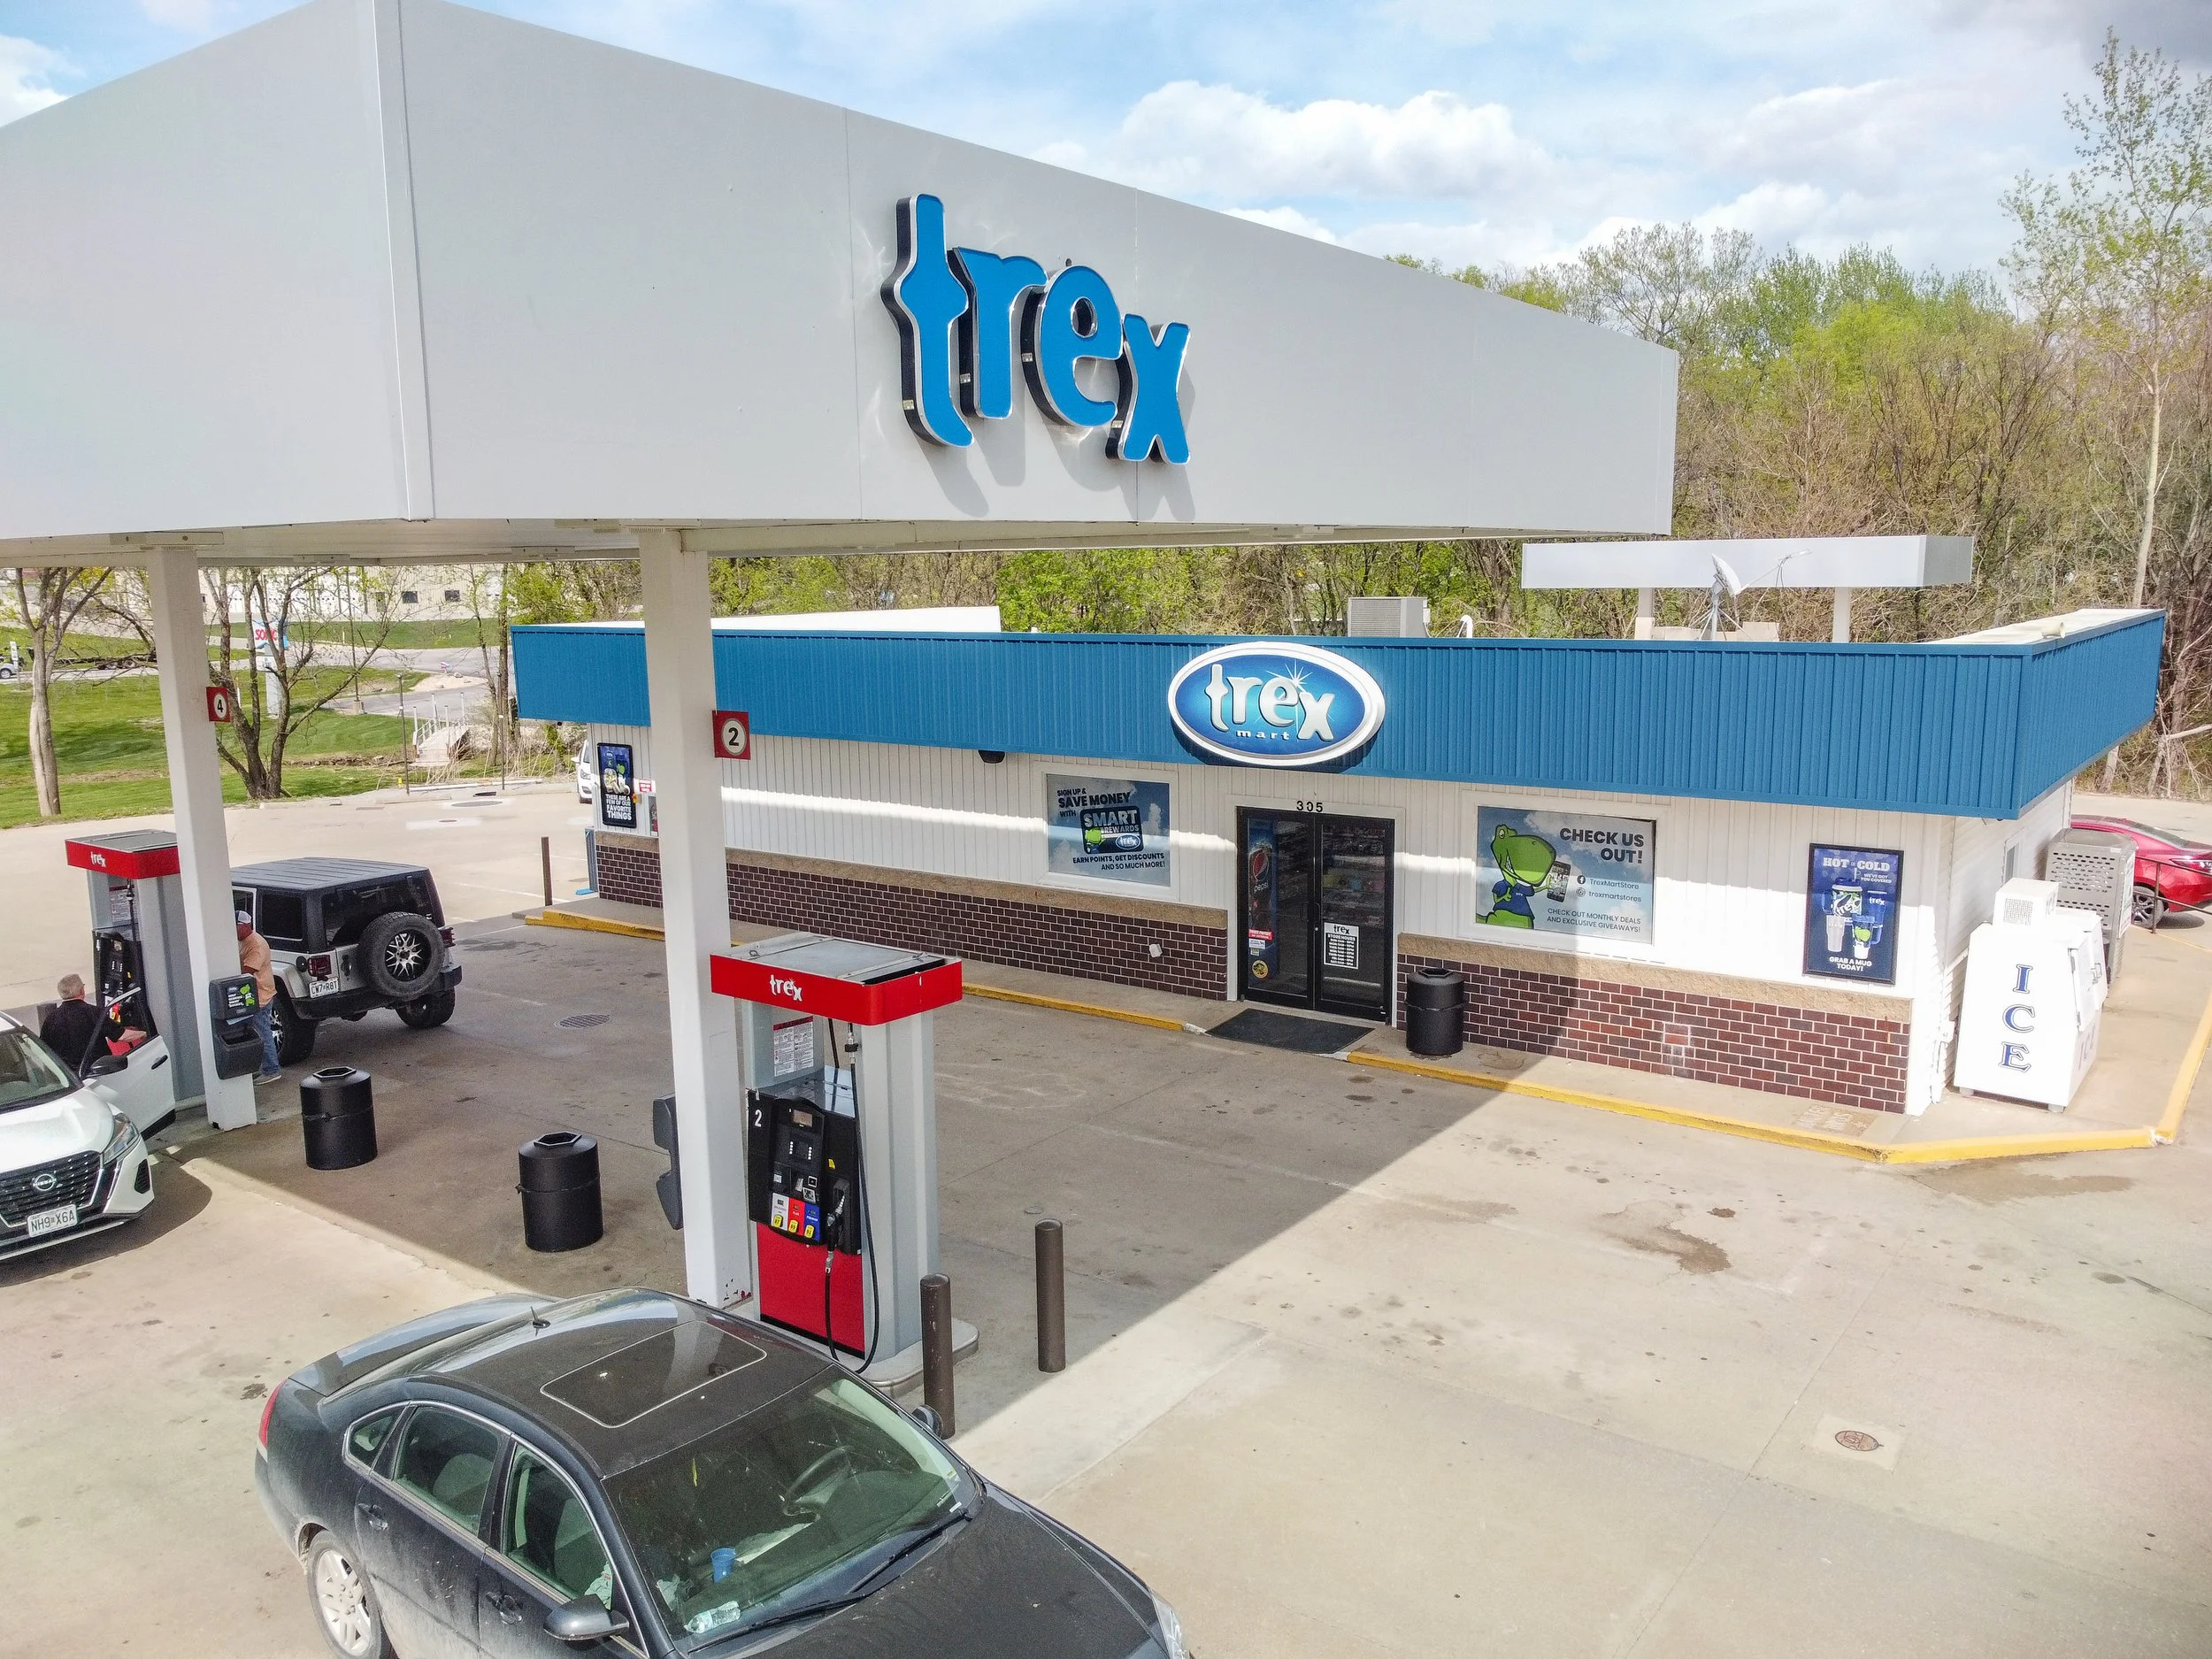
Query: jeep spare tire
[[399, 954]]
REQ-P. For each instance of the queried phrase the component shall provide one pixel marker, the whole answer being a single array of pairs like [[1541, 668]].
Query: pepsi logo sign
[[1275, 703]]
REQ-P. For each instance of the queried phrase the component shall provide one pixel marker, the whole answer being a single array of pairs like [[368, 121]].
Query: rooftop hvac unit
[[2094, 870], [2022, 902]]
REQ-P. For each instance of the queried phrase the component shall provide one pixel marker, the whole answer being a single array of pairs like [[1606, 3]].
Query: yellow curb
[[2185, 1080], [592, 925], [1065, 1007], [608, 924], [1808, 1139]]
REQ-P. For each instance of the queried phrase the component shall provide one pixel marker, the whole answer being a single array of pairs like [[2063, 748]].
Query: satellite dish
[[1726, 585]]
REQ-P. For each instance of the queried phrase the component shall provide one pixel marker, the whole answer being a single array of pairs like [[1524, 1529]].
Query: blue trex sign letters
[[961, 306], [1274, 703]]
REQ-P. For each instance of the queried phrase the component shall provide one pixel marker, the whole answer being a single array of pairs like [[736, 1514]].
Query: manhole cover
[[1857, 1440], [584, 1022]]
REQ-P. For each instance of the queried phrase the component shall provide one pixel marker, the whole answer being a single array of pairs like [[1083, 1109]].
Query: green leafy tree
[[2121, 250]]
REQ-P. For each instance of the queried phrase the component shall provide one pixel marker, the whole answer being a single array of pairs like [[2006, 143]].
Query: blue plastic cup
[[725, 1563]]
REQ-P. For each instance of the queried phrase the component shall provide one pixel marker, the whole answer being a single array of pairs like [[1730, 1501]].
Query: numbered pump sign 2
[[733, 734]]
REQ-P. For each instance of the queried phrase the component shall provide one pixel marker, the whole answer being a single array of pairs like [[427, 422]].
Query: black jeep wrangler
[[347, 935]]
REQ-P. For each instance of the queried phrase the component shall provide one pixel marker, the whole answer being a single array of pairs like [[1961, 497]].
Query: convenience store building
[[1756, 865]]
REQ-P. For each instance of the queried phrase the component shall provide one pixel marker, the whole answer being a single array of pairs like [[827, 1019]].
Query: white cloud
[[24, 69], [1287, 219], [1218, 142], [2182, 29]]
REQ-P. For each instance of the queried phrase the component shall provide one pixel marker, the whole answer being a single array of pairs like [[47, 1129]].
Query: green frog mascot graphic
[[1524, 865]]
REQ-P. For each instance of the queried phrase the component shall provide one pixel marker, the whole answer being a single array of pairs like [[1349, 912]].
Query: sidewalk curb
[[2185, 1080], [1033, 1000], [1956, 1151], [589, 924], [1807, 1139], [633, 930]]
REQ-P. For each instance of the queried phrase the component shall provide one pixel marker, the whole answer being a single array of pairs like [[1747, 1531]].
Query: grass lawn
[[107, 737], [75, 648], [405, 636]]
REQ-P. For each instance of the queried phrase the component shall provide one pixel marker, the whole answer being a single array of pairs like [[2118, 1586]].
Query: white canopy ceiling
[[395, 279]]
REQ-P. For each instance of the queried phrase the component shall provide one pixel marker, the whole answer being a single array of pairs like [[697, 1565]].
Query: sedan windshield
[[29, 1072], [783, 1509]]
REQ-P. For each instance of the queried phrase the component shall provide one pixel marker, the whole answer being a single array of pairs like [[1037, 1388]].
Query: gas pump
[[143, 979], [142, 976], [841, 1113]]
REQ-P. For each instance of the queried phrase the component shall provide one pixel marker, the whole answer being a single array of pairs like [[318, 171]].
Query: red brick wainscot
[[1090, 937], [1823, 1053]]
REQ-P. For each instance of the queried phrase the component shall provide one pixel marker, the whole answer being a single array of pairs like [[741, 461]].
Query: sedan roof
[[312, 875], [628, 1376]]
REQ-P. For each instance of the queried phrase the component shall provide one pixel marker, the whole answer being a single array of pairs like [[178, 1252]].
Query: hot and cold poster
[[1851, 913]]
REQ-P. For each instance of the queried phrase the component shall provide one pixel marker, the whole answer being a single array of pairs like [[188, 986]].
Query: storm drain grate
[[584, 1022]]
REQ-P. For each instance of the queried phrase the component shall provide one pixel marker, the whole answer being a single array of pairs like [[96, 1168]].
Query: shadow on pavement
[[1166, 1156], [178, 1198]]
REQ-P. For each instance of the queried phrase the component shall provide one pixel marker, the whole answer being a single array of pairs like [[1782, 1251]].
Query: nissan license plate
[[60, 1219]]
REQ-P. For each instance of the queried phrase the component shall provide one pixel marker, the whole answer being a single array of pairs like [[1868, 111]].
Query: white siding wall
[[1730, 875], [1973, 870], [1978, 862]]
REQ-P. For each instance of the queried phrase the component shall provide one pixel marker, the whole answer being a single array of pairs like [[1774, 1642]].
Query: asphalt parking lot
[[1361, 1363]]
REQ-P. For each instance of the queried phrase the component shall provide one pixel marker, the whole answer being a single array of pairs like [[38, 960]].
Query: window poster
[[618, 787], [1565, 872], [1851, 901], [1110, 829]]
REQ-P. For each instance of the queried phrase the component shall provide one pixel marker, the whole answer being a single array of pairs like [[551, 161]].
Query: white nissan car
[[71, 1161]]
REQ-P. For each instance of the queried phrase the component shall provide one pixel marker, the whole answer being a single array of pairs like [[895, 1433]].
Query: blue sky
[[1454, 129]]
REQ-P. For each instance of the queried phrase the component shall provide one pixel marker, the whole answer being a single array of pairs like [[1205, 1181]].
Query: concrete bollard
[[1052, 1298], [937, 1348]]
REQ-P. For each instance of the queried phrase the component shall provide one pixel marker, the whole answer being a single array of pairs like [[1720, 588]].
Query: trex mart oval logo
[[1272, 703]]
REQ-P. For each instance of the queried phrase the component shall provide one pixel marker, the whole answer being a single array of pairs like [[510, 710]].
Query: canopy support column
[[696, 912], [196, 794], [1646, 611], [1839, 624]]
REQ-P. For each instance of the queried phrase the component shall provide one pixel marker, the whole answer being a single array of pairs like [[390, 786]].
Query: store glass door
[[1314, 892]]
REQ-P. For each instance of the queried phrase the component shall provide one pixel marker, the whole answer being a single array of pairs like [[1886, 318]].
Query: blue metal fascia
[[580, 673], [1976, 730]]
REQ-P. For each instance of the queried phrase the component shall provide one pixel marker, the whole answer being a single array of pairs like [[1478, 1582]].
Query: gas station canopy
[[396, 279], [1821, 561]]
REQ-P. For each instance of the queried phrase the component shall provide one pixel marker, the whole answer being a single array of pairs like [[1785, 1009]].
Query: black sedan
[[634, 1473]]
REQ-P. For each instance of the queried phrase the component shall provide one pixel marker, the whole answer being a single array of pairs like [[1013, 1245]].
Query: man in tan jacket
[[253, 957]]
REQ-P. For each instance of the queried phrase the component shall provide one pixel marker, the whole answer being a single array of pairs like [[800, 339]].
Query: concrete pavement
[[1363, 1363]]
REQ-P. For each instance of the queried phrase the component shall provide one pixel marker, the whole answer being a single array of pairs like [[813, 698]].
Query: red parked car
[[2171, 871]]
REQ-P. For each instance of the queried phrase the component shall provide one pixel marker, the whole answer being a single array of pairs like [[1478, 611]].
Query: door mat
[[1288, 1031]]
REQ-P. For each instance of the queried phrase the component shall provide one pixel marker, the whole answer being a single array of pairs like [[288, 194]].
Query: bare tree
[[288, 678], [2123, 251], [50, 601]]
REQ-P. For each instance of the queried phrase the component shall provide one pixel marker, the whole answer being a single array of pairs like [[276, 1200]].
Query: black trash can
[[1436, 1010], [560, 1192], [337, 1118]]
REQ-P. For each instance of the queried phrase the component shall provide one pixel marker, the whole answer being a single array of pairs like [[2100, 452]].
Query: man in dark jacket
[[68, 1030]]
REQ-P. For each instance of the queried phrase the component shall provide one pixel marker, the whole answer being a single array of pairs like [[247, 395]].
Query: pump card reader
[[841, 1167], [802, 1159]]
